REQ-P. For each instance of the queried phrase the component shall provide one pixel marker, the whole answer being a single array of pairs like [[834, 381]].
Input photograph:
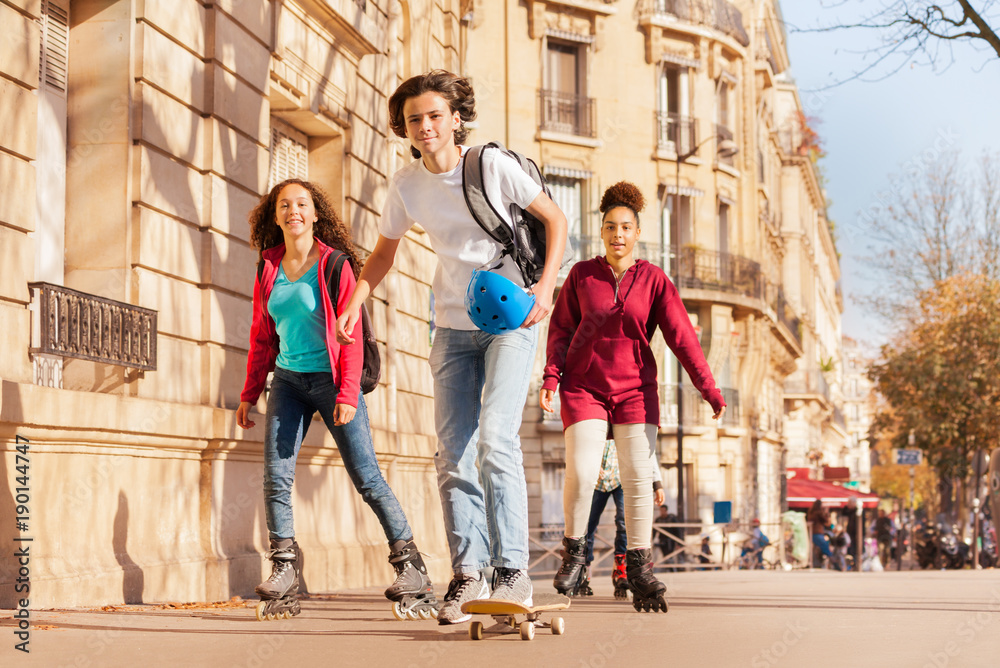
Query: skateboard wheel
[[260, 611], [476, 630], [397, 612], [527, 630], [558, 626]]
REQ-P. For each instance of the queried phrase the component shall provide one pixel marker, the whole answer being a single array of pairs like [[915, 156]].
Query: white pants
[[636, 445]]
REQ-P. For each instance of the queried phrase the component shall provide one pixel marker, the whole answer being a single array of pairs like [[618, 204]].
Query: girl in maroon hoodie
[[599, 356]]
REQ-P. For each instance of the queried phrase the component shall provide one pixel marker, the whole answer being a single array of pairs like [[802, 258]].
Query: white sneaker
[[463, 588]]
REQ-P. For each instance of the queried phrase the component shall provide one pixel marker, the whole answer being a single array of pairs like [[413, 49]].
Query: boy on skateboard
[[480, 379]]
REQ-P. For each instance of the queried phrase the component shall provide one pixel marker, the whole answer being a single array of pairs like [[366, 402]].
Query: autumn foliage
[[941, 378]]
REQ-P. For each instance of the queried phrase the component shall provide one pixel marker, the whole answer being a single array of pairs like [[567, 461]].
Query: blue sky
[[870, 130]]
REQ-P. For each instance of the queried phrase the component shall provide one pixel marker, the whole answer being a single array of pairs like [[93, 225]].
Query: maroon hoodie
[[599, 343]]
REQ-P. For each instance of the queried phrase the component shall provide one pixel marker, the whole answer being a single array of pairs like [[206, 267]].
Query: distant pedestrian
[[884, 531], [820, 526]]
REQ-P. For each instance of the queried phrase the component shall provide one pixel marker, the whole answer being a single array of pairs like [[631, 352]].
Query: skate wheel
[[287, 614], [558, 626], [434, 613], [397, 612], [260, 611], [527, 630], [426, 614], [476, 630], [413, 615]]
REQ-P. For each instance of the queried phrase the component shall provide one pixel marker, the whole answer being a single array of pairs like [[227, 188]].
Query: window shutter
[[289, 154], [54, 56]]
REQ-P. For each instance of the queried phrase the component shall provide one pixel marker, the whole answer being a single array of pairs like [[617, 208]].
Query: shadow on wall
[[133, 580], [10, 420]]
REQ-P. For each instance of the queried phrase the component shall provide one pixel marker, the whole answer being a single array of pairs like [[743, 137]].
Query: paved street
[[737, 618]]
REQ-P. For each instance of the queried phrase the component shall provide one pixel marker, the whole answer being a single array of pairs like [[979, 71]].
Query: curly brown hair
[[329, 228], [457, 92], [624, 194]]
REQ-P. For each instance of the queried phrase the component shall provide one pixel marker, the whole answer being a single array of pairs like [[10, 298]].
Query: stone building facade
[[598, 90], [137, 136]]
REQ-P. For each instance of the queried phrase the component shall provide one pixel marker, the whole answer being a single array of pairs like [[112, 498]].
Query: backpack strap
[[333, 270]]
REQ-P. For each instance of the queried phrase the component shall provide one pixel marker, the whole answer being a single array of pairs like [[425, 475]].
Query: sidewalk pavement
[[757, 619]]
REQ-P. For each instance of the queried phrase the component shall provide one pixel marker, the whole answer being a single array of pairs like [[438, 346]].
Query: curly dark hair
[[623, 194], [456, 90], [330, 229]]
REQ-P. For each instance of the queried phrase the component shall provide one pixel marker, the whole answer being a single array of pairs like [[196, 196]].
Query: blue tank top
[[300, 322]]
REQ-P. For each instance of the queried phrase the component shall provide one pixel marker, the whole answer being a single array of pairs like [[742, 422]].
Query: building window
[[289, 154], [675, 129], [723, 227], [50, 165], [723, 121], [567, 193], [565, 107]]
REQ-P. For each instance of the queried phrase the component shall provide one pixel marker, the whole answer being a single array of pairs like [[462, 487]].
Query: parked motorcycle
[[937, 546], [988, 550]]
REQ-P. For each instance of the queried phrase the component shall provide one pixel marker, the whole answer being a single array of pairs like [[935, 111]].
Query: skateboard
[[505, 614], [993, 482]]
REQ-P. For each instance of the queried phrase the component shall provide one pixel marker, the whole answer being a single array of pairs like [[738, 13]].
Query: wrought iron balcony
[[697, 411], [699, 269], [567, 113], [675, 133], [808, 382], [717, 14], [711, 270], [81, 326], [784, 312]]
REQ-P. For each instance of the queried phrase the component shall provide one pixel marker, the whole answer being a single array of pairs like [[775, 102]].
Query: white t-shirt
[[437, 202]]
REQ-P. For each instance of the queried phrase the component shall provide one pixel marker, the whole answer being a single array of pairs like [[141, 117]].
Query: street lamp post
[[724, 148]]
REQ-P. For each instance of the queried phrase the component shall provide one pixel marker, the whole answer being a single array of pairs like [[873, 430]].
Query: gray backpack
[[525, 244]]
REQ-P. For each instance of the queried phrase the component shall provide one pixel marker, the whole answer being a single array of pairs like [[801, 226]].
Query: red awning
[[802, 493]]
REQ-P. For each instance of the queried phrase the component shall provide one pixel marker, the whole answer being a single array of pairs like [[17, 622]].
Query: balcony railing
[[724, 272], [81, 326], [697, 411], [717, 14], [807, 382], [787, 316], [567, 113], [700, 269], [675, 133]]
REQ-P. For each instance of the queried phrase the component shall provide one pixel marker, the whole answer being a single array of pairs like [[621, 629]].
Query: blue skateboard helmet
[[495, 303]]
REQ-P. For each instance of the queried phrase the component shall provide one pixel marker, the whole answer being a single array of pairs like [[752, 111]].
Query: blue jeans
[[480, 386], [293, 400], [597, 506]]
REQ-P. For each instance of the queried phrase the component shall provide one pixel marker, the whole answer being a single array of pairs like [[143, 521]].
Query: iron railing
[[807, 382], [567, 113], [81, 326], [712, 270], [717, 14], [699, 269], [786, 316], [675, 132], [697, 411]]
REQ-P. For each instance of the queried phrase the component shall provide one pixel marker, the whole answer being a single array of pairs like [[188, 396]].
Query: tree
[[915, 30], [942, 378], [938, 219]]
